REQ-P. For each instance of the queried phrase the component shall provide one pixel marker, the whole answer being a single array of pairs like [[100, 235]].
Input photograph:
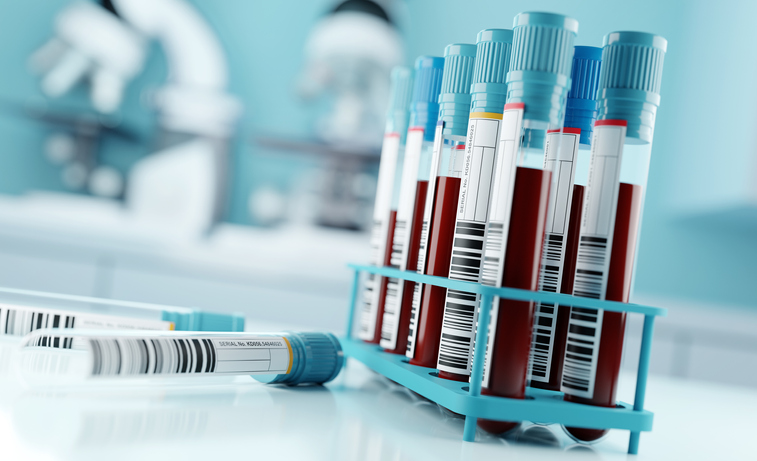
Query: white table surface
[[358, 416]]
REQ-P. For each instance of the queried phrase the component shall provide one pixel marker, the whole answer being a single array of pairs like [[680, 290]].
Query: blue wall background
[[704, 153]]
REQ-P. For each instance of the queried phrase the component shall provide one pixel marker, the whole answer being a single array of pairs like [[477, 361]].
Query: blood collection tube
[[537, 86], [424, 112], [570, 174], [384, 208], [23, 311], [441, 204], [488, 94], [95, 355], [628, 98]]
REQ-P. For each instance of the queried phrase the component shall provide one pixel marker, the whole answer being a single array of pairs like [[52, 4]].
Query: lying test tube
[[96, 356], [24, 311]]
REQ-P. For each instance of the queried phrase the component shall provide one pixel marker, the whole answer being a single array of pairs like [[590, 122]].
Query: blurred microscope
[[349, 54], [181, 184]]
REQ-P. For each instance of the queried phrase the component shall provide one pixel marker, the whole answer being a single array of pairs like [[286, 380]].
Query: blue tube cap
[[455, 99], [540, 66], [198, 320], [581, 107], [398, 114], [629, 84], [317, 358], [424, 105], [489, 88]]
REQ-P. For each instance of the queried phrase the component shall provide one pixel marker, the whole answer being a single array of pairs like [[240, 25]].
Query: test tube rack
[[466, 399]]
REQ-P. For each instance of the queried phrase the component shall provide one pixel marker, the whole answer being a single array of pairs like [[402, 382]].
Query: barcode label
[[401, 241], [593, 257], [581, 352], [379, 234], [560, 158], [127, 356], [22, 320], [460, 308]]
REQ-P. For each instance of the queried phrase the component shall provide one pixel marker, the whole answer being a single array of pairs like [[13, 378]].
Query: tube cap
[[629, 84], [399, 101], [454, 100], [581, 107], [540, 66], [424, 105], [198, 320], [489, 89], [317, 358]]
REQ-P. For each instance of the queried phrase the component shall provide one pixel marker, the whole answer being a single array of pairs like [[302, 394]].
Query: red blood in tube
[[515, 319], [412, 262], [566, 286], [440, 238], [614, 323], [383, 280]]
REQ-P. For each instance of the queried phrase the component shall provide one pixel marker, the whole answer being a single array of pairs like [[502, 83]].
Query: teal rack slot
[[539, 405]]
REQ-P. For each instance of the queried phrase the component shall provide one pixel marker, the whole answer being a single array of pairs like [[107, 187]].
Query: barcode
[[467, 251], [492, 252], [398, 243], [549, 277], [540, 359], [367, 316], [592, 251], [19, 322], [391, 307], [581, 351], [417, 291], [123, 357]]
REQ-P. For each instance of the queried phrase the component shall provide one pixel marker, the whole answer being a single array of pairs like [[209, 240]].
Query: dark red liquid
[[566, 286], [440, 237], [416, 228], [515, 320], [383, 280], [614, 323]]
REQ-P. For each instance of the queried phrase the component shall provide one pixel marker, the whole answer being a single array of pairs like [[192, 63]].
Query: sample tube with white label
[[438, 228], [424, 112], [23, 311], [537, 85], [570, 173], [628, 98], [98, 355], [488, 95], [384, 208]]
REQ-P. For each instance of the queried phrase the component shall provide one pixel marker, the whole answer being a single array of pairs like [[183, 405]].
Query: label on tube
[[593, 257], [460, 308], [131, 356], [401, 243], [21, 320], [428, 212], [562, 162], [379, 232]]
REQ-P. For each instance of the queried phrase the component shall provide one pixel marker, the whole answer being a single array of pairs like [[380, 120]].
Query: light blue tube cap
[[398, 114], [424, 105], [581, 107], [540, 65], [317, 358], [204, 321], [454, 100], [629, 84], [489, 88]]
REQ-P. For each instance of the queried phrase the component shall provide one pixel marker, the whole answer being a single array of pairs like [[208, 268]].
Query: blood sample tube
[[96, 355], [424, 112], [441, 204], [537, 86], [570, 173], [23, 311], [628, 97], [488, 94], [384, 208]]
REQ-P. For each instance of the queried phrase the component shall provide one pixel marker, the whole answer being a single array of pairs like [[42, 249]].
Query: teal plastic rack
[[539, 405]]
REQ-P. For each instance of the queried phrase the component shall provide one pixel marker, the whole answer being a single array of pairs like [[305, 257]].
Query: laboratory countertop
[[359, 416]]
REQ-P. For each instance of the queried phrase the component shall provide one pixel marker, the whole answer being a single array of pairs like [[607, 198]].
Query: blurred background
[[223, 154]]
